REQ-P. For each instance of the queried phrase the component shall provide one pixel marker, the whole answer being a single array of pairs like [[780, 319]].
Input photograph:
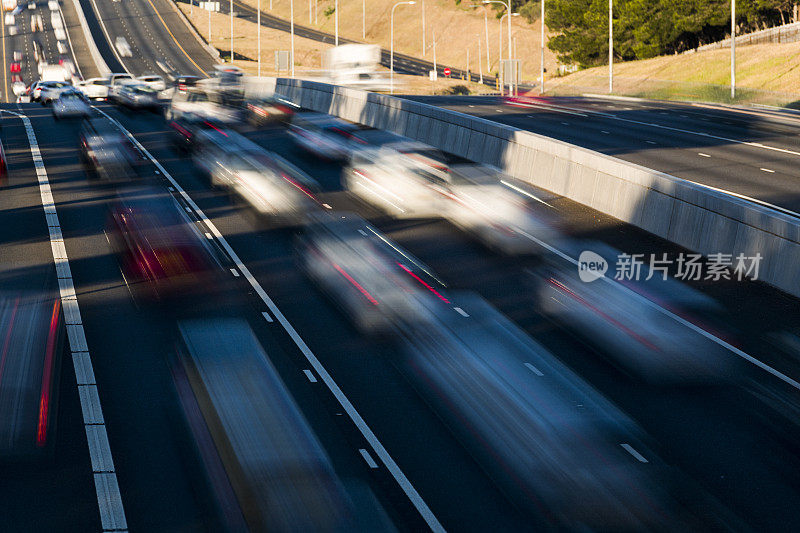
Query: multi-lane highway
[[750, 152], [728, 445], [726, 451]]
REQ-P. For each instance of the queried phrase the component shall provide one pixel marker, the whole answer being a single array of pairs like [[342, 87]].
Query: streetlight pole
[[291, 23], [391, 43], [423, 28], [733, 49], [480, 65], [486, 31], [541, 55], [508, 12], [610, 46]]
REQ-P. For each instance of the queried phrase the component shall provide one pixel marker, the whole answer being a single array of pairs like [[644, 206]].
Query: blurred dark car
[[161, 253], [30, 359], [3, 165], [106, 152], [269, 110], [182, 82]]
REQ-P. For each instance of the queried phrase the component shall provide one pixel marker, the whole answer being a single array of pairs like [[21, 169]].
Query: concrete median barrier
[[698, 218]]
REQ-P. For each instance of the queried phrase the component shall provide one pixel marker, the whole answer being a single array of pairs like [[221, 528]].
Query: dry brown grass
[[308, 53], [765, 72], [457, 28]]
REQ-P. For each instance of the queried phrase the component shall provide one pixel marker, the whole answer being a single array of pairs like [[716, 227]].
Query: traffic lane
[[777, 309], [98, 34], [459, 493], [128, 346], [120, 25], [766, 175], [461, 263], [40, 496], [728, 442], [176, 38]]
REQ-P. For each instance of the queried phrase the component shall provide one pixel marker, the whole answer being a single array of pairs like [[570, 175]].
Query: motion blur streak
[[8, 337], [442, 298], [47, 375]]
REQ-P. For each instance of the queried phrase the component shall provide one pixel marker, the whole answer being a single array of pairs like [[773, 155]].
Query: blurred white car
[[70, 104], [153, 81], [55, 20], [490, 207], [9, 19], [93, 87], [17, 55], [51, 90], [52, 5], [31, 6], [36, 23], [61, 46], [406, 180], [122, 46], [60, 34], [12, 30], [18, 88], [276, 189]]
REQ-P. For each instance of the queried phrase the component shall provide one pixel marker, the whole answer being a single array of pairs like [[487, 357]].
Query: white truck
[[355, 65]]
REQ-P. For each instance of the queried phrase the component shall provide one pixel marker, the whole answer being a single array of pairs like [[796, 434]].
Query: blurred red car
[[16, 67], [161, 253], [30, 350]]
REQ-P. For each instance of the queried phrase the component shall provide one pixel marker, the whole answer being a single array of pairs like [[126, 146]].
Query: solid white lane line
[[767, 170], [209, 236], [565, 123], [310, 375], [526, 193], [701, 154], [639, 457], [235, 273], [109, 500], [604, 131], [534, 369], [266, 316], [650, 142], [368, 458], [355, 416], [461, 312]]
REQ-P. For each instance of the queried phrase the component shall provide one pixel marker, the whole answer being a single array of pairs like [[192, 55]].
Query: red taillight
[[47, 376]]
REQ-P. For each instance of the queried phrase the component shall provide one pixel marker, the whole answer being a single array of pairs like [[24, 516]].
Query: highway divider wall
[[698, 218]]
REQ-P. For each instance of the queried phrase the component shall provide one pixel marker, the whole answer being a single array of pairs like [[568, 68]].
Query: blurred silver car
[[649, 328], [137, 96], [267, 468], [375, 282], [546, 437], [70, 104], [325, 136]]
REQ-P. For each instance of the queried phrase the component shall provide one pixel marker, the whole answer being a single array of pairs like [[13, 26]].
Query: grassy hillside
[[457, 28], [766, 73]]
